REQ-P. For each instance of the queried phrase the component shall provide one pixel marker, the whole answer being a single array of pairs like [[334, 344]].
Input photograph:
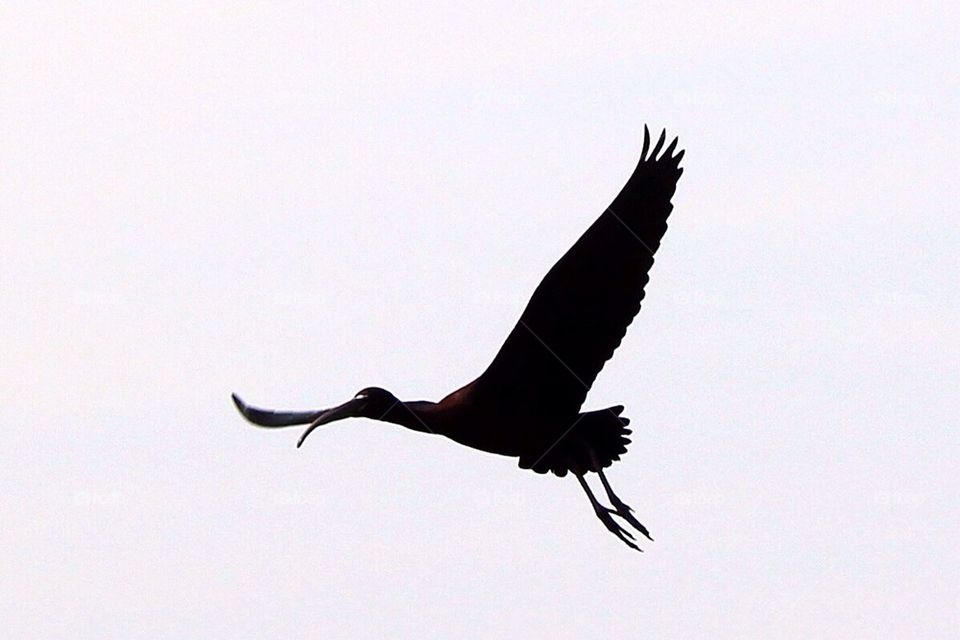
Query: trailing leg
[[620, 508], [606, 518]]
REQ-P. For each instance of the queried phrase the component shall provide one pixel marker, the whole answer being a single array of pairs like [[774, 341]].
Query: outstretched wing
[[274, 419], [581, 310]]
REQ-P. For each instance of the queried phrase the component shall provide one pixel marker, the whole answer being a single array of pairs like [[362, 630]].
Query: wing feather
[[580, 312]]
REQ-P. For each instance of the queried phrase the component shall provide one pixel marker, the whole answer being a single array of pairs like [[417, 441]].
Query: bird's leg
[[620, 508], [604, 514]]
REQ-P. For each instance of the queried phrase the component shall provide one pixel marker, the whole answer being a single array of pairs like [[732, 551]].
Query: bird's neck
[[416, 415]]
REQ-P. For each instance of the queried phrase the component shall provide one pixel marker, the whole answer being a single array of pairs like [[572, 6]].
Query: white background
[[296, 201]]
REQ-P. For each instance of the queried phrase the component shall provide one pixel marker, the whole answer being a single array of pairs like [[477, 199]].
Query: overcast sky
[[293, 202]]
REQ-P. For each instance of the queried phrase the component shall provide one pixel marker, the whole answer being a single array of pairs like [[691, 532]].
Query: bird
[[527, 404]]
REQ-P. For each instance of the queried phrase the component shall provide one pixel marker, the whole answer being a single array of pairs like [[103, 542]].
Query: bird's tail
[[594, 442]]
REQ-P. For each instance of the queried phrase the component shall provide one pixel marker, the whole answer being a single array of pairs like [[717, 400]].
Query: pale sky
[[293, 202]]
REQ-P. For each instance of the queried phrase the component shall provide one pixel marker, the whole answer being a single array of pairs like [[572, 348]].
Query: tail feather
[[594, 442]]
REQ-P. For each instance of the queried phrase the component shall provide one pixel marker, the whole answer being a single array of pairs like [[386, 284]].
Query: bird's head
[[371, 402], [374, 402]]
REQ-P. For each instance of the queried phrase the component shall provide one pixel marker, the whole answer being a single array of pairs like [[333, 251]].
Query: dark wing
[[268, 418], [580, 311]]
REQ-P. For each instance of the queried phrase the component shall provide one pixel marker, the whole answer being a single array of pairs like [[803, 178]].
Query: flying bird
[[527, 403]]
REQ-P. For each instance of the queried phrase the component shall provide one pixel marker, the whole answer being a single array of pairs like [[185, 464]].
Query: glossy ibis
[[527, 403]]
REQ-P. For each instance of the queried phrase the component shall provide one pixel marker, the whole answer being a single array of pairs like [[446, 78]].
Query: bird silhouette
[[527, 402]]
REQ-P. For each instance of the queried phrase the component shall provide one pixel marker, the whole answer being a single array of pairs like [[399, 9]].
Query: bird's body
[[466, 417], [527, 404]]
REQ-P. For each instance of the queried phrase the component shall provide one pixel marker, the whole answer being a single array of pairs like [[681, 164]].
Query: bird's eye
[[360, 396]]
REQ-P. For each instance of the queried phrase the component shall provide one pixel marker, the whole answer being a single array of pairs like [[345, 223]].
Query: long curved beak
[[278, 419], [349, 409]]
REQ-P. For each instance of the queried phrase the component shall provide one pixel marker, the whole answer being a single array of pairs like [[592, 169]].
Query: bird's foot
[[620, 510], [624, 511], [614, 527]]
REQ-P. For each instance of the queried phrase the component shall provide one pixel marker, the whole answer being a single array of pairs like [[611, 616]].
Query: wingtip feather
[[669, 150], [240, 404], [660, 141]]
